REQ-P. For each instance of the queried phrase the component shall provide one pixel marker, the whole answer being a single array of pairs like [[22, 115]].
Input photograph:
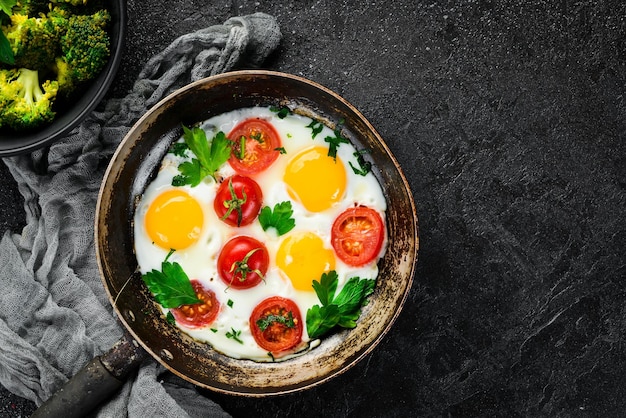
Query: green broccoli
[[63, 43], [34, 41], [31, 8], [24, 102], [70, 2], [85, 49]]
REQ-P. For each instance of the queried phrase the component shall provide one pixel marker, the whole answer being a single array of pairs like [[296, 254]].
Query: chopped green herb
[[268, 320], [214, 330], [281, 150], [316, 128], [343, 310], [364, 166], [170, 286], [234, 335], [230, 303], [170, 318], [258, 137], [179, 149], [210, 156], [280, 218], [335, 141], [282, 112]]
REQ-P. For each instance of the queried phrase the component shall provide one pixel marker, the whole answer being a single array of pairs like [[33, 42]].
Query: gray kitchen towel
[[54, 314]]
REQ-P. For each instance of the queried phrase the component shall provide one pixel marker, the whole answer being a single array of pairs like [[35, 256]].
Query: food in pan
[[261, 232]]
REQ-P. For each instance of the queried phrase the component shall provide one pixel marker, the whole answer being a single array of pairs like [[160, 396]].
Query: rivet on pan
[[167, 354], [130, 316]]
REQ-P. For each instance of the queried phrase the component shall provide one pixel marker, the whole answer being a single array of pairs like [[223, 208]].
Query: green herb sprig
[[170, 286], [209, 156], [343, 310], [280, 218]]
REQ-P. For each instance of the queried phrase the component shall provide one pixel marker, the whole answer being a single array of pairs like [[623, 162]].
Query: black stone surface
[[509, 119]]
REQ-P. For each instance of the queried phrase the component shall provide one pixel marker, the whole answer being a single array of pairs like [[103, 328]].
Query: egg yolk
[[303, 258], [314, 179], [174, 220]]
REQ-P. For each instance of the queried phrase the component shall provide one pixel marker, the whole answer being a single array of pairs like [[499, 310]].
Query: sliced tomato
[[238, 200], [357, 235], [255, 146], [276, 324], [199, 314], [243, 262]]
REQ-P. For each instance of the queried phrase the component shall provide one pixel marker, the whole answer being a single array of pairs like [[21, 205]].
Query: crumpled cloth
[[54, 313]]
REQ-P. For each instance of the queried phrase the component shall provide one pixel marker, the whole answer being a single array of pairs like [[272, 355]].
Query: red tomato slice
[[243, 262], [199, 314], [255, 143], [276, 324], [238, 200], [357, 235]]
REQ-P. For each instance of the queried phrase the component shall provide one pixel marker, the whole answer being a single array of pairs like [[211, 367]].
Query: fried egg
[[319, 187]]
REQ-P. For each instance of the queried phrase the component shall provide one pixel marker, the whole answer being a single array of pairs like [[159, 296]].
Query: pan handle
[[95, 382]]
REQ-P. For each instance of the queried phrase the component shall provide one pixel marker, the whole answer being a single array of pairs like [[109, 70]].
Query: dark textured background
[[509, 120]]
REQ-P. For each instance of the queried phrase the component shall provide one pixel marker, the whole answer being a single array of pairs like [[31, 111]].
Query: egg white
[[199, 261]]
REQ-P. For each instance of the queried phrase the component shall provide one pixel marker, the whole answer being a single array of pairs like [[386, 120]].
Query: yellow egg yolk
[[174, 220], [314, 179], [303, 258]]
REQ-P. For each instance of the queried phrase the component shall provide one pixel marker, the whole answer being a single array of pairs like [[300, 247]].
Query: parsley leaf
[[268, 320], [364, 166], [170, 286], [343, 310], [191, 172], [316, 128], [320, 320], [280, 218], [326, 287], [7, 6], [210, 156], [351, 298], [334, 142]]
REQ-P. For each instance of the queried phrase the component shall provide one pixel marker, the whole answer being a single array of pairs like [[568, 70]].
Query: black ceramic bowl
[[72, 113]]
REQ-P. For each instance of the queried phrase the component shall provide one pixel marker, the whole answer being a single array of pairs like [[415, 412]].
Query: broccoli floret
[[25, 104], [64, 42], [34, 41], [85, 49], [31, 8], [70, 2]]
